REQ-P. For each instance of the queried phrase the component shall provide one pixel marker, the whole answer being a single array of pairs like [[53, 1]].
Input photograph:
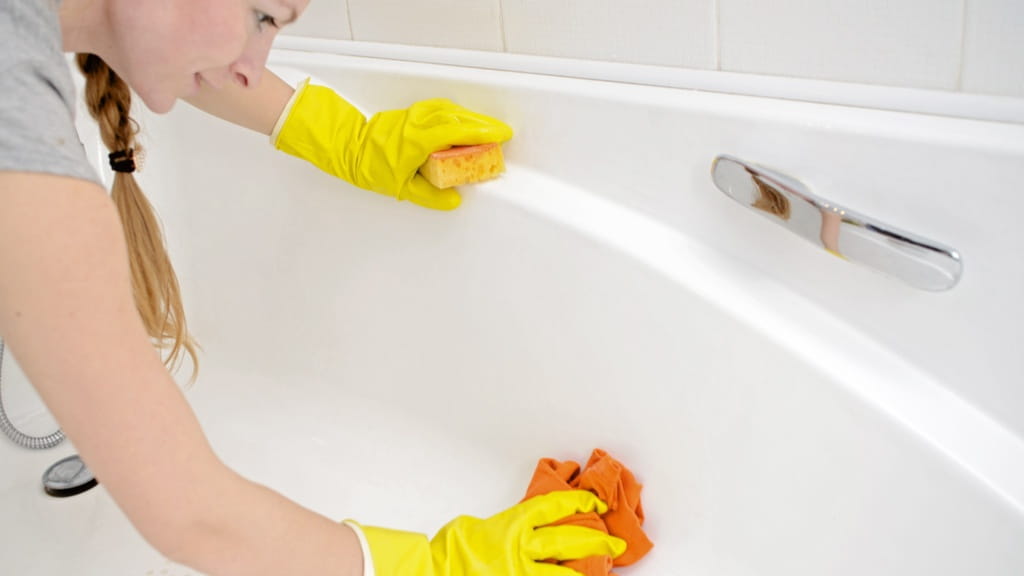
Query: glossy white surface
[[789, 414], [918, 101]]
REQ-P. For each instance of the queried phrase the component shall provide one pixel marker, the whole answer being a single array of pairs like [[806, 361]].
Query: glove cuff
[[276, 132], [389, 552], [364, 546]]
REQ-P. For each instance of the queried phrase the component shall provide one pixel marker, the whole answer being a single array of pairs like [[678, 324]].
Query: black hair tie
[[122, 160]]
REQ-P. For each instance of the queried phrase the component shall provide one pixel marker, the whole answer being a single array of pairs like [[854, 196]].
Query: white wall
[[961, 45]]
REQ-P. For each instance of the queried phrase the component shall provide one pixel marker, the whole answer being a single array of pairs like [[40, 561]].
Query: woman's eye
[[263, 19]]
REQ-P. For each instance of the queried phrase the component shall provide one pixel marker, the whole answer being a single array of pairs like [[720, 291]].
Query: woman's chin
[[161, 103]]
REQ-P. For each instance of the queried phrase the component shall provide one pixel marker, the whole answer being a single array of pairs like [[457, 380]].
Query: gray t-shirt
[[37, 96]]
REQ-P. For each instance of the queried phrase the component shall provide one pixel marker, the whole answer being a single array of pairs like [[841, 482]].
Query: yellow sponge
[[463, 165]]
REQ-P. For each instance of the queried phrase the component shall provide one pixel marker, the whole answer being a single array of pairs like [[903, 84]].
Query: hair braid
[[154, 283]]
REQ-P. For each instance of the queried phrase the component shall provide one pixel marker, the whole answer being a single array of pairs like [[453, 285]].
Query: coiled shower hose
[[19, 437]]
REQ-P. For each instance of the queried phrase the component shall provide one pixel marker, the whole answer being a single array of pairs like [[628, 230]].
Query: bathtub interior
[[649, 150], [378, 361]]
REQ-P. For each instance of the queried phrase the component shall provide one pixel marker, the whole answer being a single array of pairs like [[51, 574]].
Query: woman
[[86, 287]]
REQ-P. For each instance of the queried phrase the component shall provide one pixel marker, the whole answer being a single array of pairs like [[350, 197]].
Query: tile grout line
[[963, 48], [718, 34], [348, 15], [501, 25]]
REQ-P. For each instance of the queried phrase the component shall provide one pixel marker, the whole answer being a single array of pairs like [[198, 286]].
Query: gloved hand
[[384, 153], [511, 543]]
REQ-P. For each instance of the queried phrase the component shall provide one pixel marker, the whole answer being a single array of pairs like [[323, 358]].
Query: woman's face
[[168, 48]]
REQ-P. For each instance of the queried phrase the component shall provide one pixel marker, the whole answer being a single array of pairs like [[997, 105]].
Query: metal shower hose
[[19, 437]]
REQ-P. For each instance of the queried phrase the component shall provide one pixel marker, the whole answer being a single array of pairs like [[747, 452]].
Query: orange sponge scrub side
[[463, 165]]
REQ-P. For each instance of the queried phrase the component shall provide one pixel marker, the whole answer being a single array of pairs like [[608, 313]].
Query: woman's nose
[[248, 69], [246, 75]]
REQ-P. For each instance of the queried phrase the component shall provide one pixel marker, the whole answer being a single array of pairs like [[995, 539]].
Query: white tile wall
[[973, 45], [994, 47], [323, 19], [913, 43], [662, 32], [469, 24]]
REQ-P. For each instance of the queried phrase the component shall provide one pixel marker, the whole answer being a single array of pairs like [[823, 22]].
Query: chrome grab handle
[[920, 262]]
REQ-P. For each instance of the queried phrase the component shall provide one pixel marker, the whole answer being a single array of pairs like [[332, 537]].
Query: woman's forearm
[[251, 530], [257, 107], [68, 315]]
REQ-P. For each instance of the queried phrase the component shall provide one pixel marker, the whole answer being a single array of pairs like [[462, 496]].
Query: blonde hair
[[154, 283]]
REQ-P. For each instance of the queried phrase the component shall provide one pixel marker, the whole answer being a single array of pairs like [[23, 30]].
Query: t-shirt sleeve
[[37, 127]]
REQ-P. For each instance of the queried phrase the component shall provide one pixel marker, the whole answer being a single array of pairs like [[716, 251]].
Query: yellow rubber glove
[[384, 153], [512, 543]]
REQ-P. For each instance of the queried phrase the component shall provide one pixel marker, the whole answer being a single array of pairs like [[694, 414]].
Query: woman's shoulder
[[37, 95]]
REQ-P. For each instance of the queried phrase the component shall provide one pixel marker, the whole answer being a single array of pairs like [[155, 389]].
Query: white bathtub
[[789, 413]]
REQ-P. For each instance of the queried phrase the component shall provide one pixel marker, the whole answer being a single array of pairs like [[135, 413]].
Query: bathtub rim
[[966, 105]]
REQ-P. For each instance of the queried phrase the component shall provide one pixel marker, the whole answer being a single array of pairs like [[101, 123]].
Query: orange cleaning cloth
[[615, 485]]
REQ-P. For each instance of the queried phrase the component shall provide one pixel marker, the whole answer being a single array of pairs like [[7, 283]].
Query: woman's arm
[[67, 314], [257, 107]]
